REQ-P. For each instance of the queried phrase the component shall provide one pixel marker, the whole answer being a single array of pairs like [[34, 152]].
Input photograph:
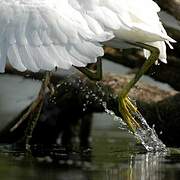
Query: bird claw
[[128, 110]]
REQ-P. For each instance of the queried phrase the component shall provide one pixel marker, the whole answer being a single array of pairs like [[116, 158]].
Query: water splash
[[148, 136], [122, 124], [145, 134]]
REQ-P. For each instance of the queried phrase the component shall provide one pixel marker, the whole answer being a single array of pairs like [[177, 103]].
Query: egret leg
[[32, 124], [126, 107], [91, 74], [35, 108]]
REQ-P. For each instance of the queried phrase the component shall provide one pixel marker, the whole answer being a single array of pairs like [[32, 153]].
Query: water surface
[[115, 155]]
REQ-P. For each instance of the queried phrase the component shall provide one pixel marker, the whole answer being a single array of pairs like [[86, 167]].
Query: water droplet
[[58, 85], [87, 96], [149, 138], [122, 125]]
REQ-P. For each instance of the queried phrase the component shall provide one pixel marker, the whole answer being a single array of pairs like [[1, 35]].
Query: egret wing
[[43, 34], [130, 21]]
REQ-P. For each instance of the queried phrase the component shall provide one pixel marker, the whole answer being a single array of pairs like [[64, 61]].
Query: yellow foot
[[127, 109]]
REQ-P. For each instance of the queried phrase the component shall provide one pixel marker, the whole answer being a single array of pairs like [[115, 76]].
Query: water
[[145, 134], [149, 138], [115, 155]]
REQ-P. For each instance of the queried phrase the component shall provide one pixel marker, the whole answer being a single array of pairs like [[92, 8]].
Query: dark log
[[168, 73], [173, 7]]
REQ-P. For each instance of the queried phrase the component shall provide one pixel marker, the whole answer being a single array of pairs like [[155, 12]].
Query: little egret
[[44, 34]]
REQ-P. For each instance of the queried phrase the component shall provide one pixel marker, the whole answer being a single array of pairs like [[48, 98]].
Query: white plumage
[[44, 34]]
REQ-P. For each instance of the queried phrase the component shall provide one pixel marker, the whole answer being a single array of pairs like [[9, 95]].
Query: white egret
[[44, 34]]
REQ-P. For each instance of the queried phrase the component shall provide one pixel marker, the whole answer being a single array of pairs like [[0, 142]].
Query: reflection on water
[[139, 167], [115, 156], [145, 167]]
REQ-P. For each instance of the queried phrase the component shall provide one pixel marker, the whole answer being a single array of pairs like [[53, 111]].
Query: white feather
[[136, 23], [3, 55], [44, 34], [14, 58], [162, 47], [27, 58]]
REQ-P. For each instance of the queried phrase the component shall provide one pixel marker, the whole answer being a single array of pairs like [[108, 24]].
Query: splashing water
[[148, 136], [122, 124], [145, 134]]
